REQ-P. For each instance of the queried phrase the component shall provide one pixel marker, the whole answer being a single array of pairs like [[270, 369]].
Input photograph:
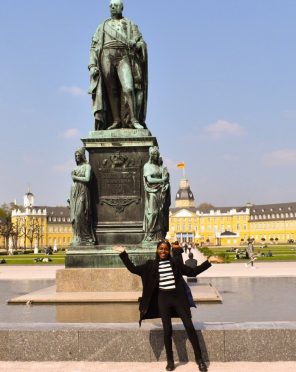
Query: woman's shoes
[[170, 366], [202, 366]]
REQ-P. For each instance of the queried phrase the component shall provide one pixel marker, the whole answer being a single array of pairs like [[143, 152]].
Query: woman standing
[[80, 206], [157, 197], [165, 296]]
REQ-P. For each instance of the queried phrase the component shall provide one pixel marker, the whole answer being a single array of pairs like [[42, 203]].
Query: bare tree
[[32, 230], [39, 232], [6, 230], [9, 230]]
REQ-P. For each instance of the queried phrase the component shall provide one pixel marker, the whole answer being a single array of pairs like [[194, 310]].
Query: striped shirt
[[166, 275]]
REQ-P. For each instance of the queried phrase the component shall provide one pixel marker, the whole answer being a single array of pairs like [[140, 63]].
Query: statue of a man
[[80, 205], [118, 73]]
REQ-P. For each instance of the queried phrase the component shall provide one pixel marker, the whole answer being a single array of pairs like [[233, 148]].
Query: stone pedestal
[[97, 280], [117, 158]]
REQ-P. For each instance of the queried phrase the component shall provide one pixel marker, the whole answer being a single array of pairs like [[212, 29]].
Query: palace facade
[[269, 223], [41, 226]]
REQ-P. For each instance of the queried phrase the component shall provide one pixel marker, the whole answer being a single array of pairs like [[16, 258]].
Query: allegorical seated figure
[[80, 205], [118, 72], [157, 189]]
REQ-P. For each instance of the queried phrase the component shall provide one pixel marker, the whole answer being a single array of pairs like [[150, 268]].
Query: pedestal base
[[97, 280]]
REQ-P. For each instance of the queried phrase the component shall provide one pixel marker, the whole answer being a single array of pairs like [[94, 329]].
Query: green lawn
[[28, 259], [279, 253]]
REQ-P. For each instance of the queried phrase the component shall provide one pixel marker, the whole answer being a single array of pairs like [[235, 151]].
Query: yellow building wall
[[206, 228], [282, 230], [59, 234], [2, 242]]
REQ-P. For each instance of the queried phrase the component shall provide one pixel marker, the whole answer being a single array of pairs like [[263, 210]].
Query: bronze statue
[[80, 206], [118, 73], [167, 199], [157, 197]]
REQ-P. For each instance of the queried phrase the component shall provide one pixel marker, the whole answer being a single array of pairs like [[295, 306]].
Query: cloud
[[65, 167], [223, 128], [280, 158], [73, 91], [70, 133]]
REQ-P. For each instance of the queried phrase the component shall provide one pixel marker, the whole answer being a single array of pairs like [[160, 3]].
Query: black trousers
[[168, 301]]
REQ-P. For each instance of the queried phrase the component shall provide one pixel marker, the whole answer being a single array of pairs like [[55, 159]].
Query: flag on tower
[[181, 165]]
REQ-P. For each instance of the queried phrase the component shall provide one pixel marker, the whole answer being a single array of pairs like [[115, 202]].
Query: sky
[[222, 94]]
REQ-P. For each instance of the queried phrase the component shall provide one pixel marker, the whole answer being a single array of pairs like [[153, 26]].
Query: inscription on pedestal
[[119, 181]]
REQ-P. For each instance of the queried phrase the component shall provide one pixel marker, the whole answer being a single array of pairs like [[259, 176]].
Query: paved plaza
[[262, 269], [143, 367]]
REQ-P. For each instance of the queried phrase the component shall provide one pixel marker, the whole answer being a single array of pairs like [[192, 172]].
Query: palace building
[[42, 226], [271, 223]]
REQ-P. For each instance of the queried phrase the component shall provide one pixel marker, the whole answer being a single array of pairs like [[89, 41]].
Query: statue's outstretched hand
[[118, 249]]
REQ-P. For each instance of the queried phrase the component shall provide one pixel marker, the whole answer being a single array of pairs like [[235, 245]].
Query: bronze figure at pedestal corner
[[118, 73], [80, 202], [157, 197]]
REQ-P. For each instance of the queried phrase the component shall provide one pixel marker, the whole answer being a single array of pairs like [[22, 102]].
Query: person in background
[[191, 262], [251, 255]]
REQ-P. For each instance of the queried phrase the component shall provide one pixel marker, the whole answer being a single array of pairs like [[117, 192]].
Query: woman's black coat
[[150, 280]]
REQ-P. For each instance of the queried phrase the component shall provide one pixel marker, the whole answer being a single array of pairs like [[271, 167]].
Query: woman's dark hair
[[167, 243]]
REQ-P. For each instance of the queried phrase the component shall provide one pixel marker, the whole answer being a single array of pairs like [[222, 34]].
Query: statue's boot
[[137, 125], [115, 125], [99, 125], [99, 120]]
